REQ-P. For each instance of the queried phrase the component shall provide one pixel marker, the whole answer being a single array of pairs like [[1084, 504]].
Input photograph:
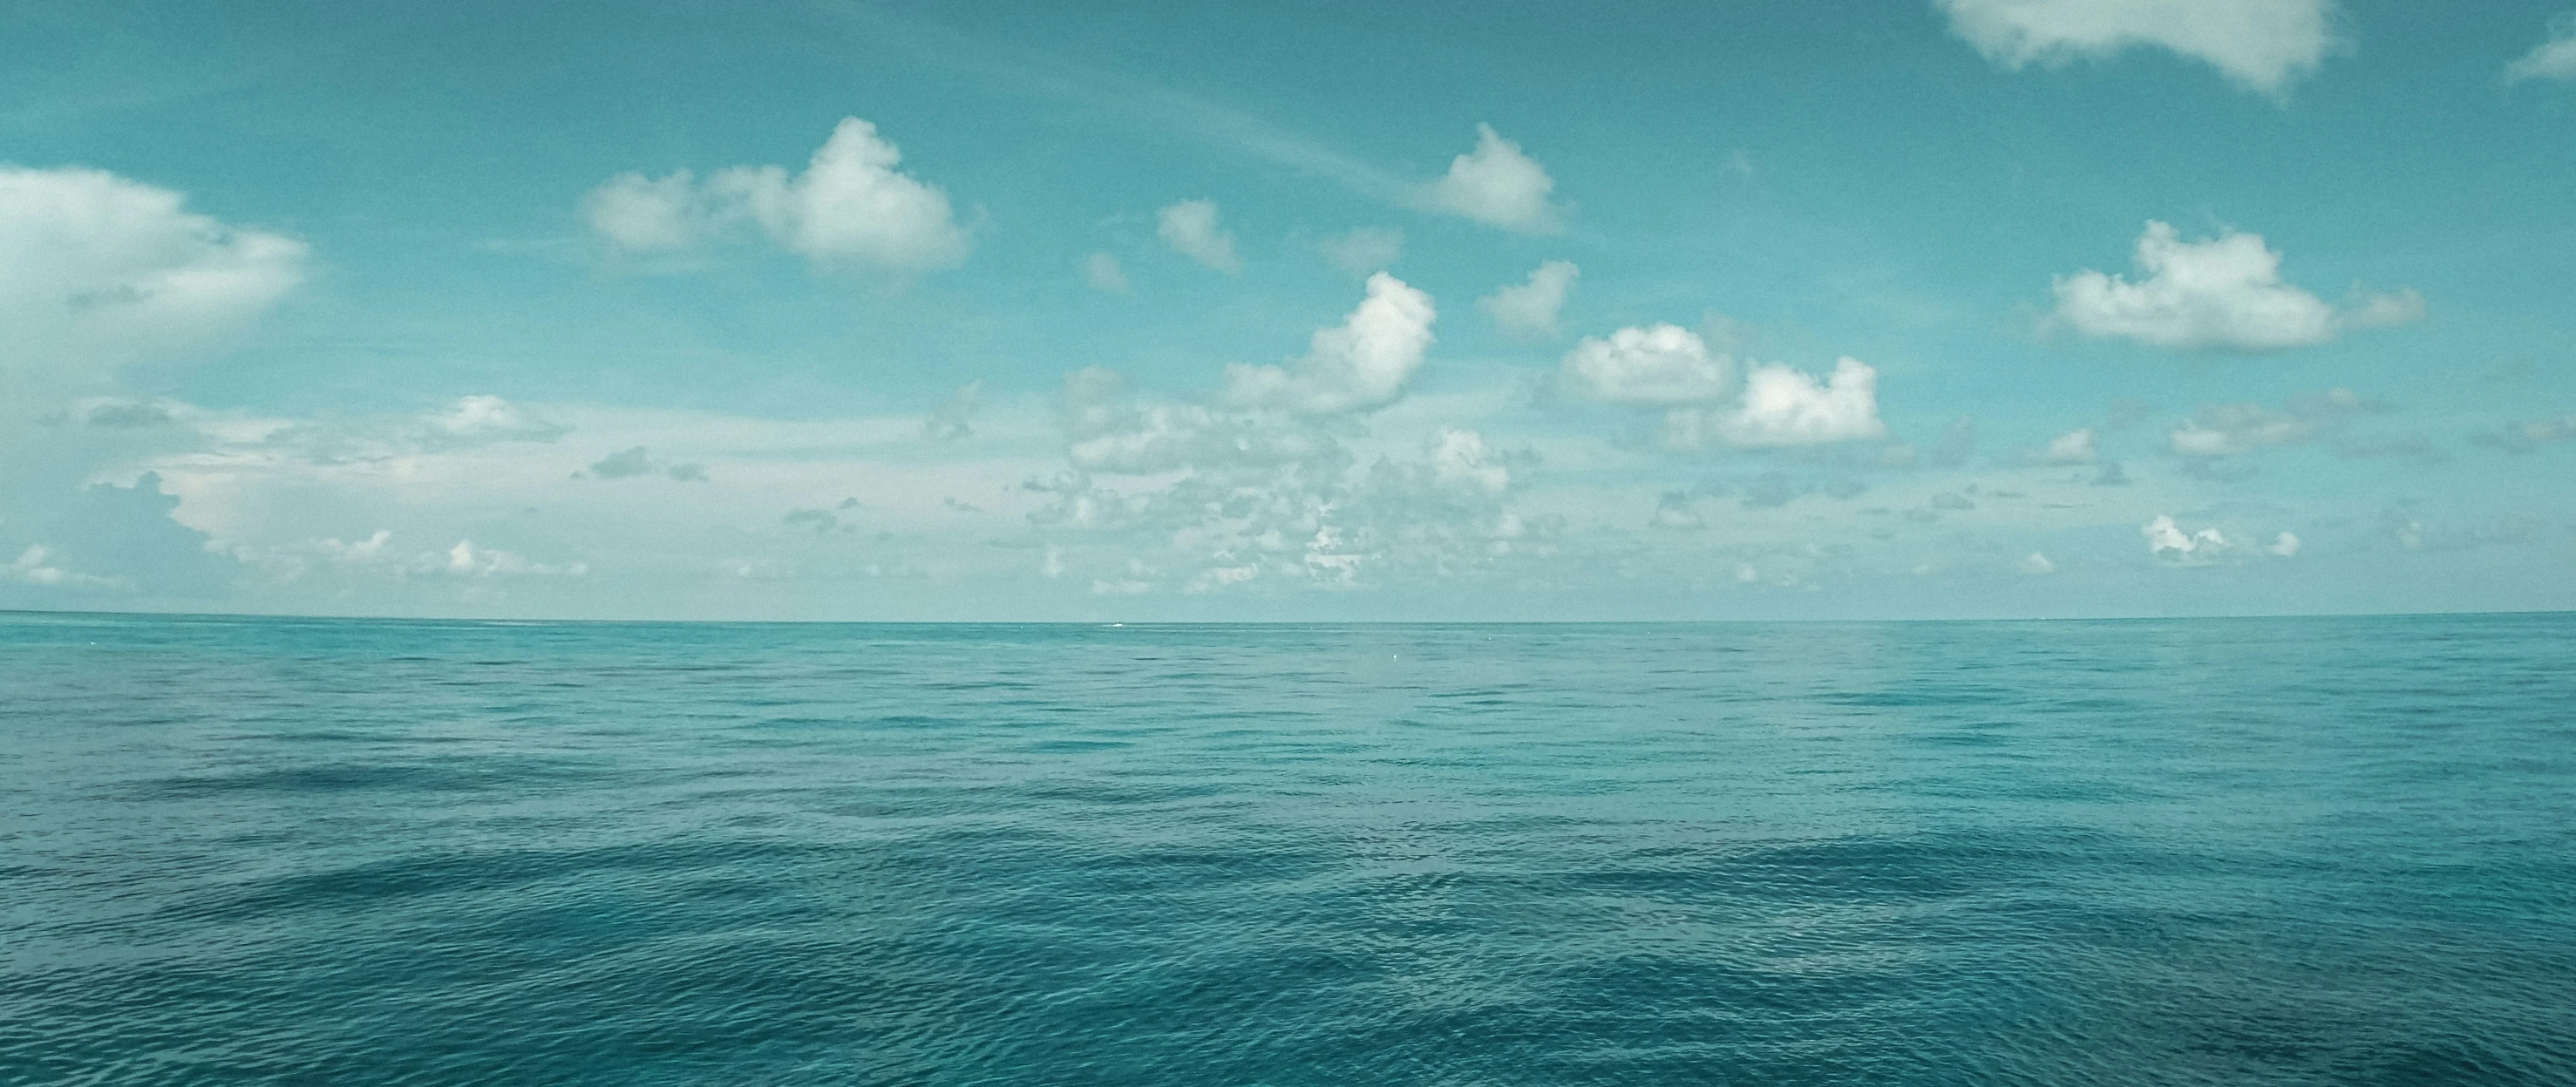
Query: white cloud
[[98, 272], [2169, 543], [2551, 59], [1785, 407], [2367, 310], [2226, 430], [2284, 545], [34, 566], [2524, 436], [852, 205], [480, 420], [849, 207], [1497, 185], [2036, 563], [1190, 228], [1660, 364], [471, 422], [1362, 251], [638, 214], [1529, 309], [2072, 447], [2221, 294], [1105, 432], [637, 461], [467, 560], [1362, 364], [954, 418], [2262, 45], [1101, 272]]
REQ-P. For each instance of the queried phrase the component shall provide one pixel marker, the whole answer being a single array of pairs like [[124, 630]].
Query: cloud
[[2285, 545], [637, 214], [1106, 432], [1497, 185], [1362, 364], [33, 567], [2169, 543], [2554, 58], [1528, 310], [122, 538], [98, 272], [2262, 45], [1190, 228], [1101, 272], [2072, 447], [470, 422], [2226, 430], [953, 419], [1660, 364], [1677, 510], [630, 463], [1784, 407], [2221, 294], [1362, 251], [2036, 563], [482, 420], [467, 560], [850, 207], [2524, 436]]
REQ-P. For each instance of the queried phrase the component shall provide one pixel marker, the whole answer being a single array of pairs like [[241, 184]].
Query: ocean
[[2241, 851]]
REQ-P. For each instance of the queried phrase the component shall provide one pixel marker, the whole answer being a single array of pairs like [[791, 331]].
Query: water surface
[[2306, 851]]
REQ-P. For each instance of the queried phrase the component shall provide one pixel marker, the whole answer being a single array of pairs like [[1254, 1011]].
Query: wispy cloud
[[1006, 67]]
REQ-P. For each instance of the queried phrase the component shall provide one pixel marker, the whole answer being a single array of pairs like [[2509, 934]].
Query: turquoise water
[[2309, 851]]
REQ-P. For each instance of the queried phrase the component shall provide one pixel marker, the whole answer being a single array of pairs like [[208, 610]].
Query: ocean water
[[2299, 851]]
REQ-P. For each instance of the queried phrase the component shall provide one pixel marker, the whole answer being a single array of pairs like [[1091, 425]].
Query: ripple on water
[[2217, 852]]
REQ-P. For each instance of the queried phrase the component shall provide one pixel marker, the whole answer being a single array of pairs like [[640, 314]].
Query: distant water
[[2314, 851]]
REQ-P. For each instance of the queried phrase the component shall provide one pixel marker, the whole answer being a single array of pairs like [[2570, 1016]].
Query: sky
[[1761, 309]]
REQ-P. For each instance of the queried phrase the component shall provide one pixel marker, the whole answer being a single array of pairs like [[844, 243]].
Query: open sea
[[2247, 851]]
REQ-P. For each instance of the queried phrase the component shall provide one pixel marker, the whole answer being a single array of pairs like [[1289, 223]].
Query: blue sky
[[1152, 311]]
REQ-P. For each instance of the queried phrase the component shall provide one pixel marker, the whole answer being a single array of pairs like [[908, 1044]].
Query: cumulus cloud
[[1190, 228], [2167, 542], [1362, 251], [482, 420], [123, 538], [1661, 364], [1317, 521], [35, 566], [99, 272], [2072, 447], [2284, 545], [467, 560], [1677, 510], [633, 213], [2218, 294], [2524, 436], [470, 422], [1528, 310], [1497, 185], [1783, 407], [634, 462], [2262, 45], [1255, 491], [1107, 432], [1364, 363], [2554, 58], [2226, 430], [1101, 272], [849, 207], [954, 418], [2037, 563]]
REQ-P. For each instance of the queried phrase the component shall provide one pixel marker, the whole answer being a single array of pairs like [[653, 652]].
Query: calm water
[[2328, 851]]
